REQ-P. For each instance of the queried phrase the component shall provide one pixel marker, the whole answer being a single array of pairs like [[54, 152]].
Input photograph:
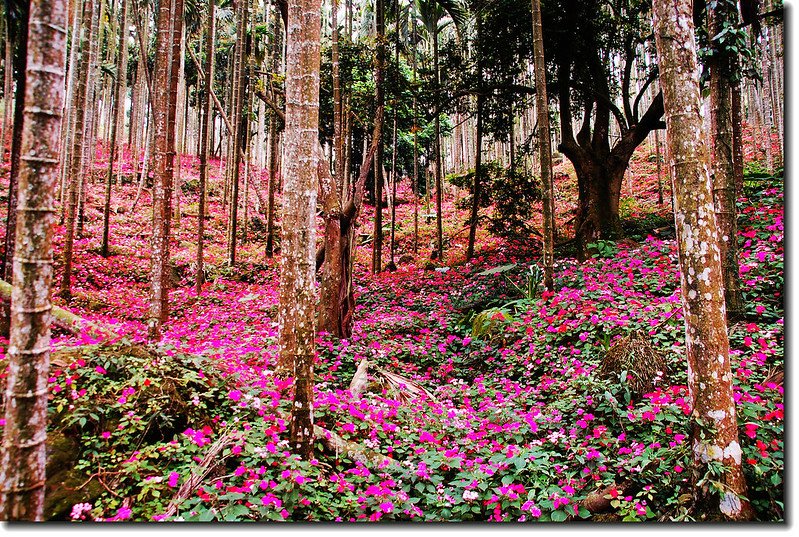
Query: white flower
[[469, 495]]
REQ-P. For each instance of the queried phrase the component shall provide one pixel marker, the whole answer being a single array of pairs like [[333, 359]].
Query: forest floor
[[517, 405]]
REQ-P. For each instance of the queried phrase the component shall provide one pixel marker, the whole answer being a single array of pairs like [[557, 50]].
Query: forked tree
[[23, 454], [713, 420]]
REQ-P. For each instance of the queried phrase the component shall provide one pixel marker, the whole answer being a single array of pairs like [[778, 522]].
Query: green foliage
[[603, 249], [126, 406], [510, 194]]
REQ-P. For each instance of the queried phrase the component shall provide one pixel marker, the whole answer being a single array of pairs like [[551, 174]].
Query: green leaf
[[558, 516], [206, 516], [236, 512]]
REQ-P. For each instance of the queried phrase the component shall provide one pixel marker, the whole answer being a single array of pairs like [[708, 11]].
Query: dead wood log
[[64, 319]]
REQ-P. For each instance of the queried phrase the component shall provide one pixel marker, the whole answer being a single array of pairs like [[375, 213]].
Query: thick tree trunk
[[297, 268], [722, 67], [714, 426], [204, 136], [599, 193], [334, 267], [544, 146], [23, 454]]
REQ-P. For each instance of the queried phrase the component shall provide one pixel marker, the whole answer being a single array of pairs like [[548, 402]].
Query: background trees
[[443, 104]]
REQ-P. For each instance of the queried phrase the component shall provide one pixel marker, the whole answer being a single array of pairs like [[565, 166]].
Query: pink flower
[[386, 507], [235, 395], [123, 514], [173, 479], [106, 434]]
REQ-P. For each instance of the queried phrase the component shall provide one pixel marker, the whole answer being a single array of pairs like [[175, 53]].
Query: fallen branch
[[190, 485], [64, 319]]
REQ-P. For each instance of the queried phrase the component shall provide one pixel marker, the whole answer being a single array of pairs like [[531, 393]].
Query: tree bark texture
[[714, 427], [23, 455], [169, 23], [297, 266], [722, 72], [76, 153]]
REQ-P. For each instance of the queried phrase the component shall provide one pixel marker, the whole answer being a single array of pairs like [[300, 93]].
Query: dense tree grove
[[440, 260]]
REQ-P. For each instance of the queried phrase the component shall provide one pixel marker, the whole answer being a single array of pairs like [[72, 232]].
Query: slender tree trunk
[[164, 94], [239, 87], [415, 148], [297, 278], [477, 183], [392, 244], [16, 144], [377, 240], [273, 171], [714, 426], [89, 147], [722, 69], [8, 90], [182, 106], [76, 155], [437, 156], [737, 138], [23, 454], [207, 110], [273, 144], [658, 165], [544, 147], [120, 87]]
